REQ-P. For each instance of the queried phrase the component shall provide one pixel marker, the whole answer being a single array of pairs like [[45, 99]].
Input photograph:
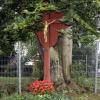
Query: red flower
[[41, 87]]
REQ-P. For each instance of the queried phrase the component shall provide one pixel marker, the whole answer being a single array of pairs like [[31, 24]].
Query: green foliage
[[6, 38], [81, 14], [28, 96], [23, 21], [31, 44], [56, 96], [79, 75], [18, 19], [78, 69]]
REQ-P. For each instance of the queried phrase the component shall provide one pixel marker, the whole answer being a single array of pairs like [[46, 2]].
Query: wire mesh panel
[[27, 69], [83, 71], [8, 75], [97, 74]]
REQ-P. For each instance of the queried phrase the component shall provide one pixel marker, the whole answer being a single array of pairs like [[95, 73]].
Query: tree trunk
[[61, 60], [66, 55], [56, 69]]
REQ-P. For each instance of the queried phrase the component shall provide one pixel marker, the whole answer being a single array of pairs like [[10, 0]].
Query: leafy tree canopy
[[82, 15], [20, 19]]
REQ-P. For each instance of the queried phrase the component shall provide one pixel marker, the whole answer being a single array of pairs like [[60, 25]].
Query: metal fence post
[[96, 69], [96, 73], [86, 66], [19, 67]]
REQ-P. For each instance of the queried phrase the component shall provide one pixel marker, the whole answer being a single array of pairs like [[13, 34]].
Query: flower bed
[[41, 87]]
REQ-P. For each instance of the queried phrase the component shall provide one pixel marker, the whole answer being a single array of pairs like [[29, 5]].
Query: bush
[[79, 75], [41, 87], [29, 96]]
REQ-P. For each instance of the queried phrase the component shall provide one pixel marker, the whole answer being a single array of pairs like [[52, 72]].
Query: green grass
[[86, 97], [9, 85], [4, 81], [29, 96], [86, 82], [14, 80], [54, 96]]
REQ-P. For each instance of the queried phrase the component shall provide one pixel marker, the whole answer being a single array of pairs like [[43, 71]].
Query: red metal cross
[[52, 37]]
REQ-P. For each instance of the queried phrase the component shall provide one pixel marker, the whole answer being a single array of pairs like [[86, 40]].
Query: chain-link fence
[[10, 81], [15, 79], [83, 71]]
